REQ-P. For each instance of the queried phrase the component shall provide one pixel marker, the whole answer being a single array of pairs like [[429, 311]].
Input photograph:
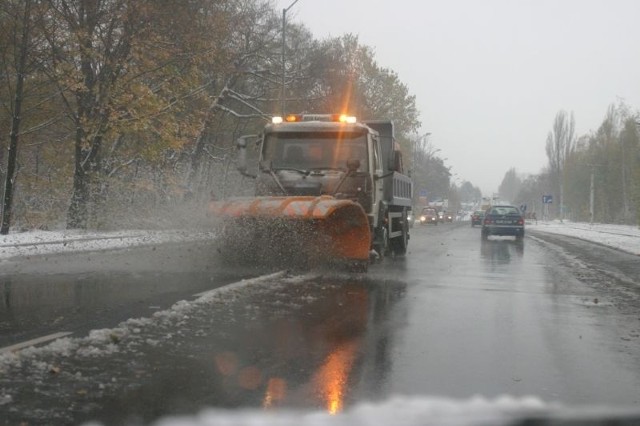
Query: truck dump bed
[[398, 188]]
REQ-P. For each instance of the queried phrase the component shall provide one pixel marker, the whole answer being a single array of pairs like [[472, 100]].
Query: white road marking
[[35, 341]]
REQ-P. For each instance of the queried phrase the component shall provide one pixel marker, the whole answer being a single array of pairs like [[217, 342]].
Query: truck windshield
[[315, 150]]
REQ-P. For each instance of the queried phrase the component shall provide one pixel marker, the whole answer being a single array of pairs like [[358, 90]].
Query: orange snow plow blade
[[326, 228]]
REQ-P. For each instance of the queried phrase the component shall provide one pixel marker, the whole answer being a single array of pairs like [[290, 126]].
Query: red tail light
[[521, 221]]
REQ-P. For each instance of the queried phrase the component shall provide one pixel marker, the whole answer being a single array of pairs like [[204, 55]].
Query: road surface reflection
[[500, 251], [310, 345]]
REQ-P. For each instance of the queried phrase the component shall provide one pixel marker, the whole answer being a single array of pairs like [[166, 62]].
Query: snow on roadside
[[621, 237], [50, 242]]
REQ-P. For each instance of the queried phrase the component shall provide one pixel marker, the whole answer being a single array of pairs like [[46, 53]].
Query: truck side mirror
[[241, 146]]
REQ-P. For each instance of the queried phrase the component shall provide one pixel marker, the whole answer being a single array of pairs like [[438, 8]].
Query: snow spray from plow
[[315, 230]]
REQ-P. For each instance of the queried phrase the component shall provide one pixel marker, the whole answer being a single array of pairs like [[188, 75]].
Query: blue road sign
[[547, 199]]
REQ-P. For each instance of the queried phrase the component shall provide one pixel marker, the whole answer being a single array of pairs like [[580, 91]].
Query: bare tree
[[22, 29], [560, 144], [246, 87], [469, 193], [510, 185], [428, 170]]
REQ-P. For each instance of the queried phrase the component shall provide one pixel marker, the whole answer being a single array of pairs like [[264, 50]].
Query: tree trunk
[[7, 199], [77, 213]]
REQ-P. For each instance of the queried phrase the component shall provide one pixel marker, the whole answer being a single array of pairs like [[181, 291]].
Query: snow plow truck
[[328, 189]]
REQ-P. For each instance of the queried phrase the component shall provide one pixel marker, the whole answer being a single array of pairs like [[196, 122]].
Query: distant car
[[428, 216], [503, 220], [446, 217], [477, 217]]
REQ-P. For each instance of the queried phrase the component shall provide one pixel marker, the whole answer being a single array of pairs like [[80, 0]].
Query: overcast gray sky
[[490, 75]]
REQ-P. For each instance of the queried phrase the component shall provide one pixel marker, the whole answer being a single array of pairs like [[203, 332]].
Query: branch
[[167, 107], [213, 157], [121, 166], [238, 115], [42, 125], [243, 100]]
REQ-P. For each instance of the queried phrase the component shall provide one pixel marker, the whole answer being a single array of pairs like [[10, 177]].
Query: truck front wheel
[[381, 245]]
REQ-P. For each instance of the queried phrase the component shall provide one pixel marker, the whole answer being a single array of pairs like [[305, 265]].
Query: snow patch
[[50, 242], [621, 237]]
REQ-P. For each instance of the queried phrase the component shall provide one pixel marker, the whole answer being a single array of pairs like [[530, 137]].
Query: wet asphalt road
[[552, 317], [77, 293]]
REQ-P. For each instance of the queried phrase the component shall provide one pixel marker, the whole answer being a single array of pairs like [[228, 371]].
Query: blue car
[[503, 220]]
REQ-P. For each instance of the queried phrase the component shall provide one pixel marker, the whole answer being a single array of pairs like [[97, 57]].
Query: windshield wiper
[[268, 168], [301, 171], [341, 169]]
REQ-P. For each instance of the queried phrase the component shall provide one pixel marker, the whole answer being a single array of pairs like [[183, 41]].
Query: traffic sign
[[547, 199]]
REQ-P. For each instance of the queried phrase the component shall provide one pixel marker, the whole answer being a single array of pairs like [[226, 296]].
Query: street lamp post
[[284, 24]]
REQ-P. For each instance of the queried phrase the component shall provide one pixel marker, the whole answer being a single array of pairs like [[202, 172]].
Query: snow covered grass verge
[[50, 242], [621, 237]]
